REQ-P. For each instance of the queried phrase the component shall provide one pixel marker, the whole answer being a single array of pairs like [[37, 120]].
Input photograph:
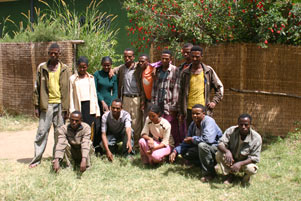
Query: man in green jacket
[[51, 100]]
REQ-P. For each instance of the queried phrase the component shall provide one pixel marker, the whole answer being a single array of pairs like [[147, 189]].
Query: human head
[[116, 108], [198, 113], [244, 123], [54, 52], [143, 61], [106, 63], [82, 65], [166, 57], [186, 49], [154, 114], [128, 56], [75, 119], [196, 55]]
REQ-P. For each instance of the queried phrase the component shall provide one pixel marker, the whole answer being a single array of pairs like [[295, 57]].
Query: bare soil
[[19, 145]]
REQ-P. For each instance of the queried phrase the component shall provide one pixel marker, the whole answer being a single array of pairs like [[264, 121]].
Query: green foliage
[[174, 22], [60, 22]]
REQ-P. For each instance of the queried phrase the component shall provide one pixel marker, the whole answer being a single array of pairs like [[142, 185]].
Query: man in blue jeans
[[200, 145]]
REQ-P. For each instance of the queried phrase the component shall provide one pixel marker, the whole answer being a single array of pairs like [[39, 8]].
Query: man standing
[[200, 145], [186, 49], [165, 92], [239, 150], [75, 140], [147, 82], [51, 99], [115, 128], [130, 90], [196, 82]]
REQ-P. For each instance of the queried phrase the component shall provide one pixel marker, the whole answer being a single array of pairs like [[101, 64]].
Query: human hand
[[172, 156], [110, 156], [181, 118], [37, 113], [83, 165], [105, 107], [142, 105], [150, 143], [211, 105], [188, 140], [229, 158], [129, 146], [235, 167], [56, 165], [111, 73]]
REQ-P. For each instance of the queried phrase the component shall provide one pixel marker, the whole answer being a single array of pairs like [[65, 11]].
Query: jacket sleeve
[[61, 144], [71, 91], [218, 86], [175, 92], [36, 93], [180, 98]]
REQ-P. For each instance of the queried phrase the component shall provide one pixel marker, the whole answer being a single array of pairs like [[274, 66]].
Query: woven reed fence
[[18, 64], [275, 70]]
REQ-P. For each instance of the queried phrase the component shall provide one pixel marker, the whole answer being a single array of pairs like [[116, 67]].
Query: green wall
[[15, 8]]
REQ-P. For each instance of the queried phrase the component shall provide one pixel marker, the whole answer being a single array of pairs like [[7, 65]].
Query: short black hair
[[117, 100], [155, 108], [245, 115], [129, 50], [197, 48], [106, 58], [200, 106], [76, 112], [54, 46], [82, 59], [144, 55], [187, 45], [167, 52]]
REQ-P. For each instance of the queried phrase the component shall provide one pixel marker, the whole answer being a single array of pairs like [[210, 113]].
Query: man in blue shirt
[[200, 145]]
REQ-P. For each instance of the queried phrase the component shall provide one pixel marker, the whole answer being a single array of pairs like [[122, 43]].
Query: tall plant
[[60, 22]]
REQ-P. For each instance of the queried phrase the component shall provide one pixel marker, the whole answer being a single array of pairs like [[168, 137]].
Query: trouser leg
[[207, 158], [57, 121], [132, 106], [143, 150], [219, 156], [158, 155], [174, 128], [188, 118], [42, 134], [124, 143]]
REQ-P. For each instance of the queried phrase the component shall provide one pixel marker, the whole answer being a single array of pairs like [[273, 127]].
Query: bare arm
[[105, 144]]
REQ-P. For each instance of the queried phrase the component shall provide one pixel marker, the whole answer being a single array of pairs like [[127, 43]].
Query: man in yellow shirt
[[196, 81], [51, 99]]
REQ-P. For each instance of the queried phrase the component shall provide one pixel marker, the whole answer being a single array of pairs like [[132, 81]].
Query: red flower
[[266, 41], [243, 10]]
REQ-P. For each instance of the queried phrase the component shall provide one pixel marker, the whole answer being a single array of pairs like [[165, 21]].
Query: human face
[[106, 66], [75, 121], [197, 115], [143, 62], [186, 53], [244, 126], [116, 109], [54, 54], [154, 117], [128, 57], [195, 57], [82, 68], [165, 59]]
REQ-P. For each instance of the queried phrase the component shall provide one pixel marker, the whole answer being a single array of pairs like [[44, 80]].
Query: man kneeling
[[239, 150], [115, 128], [74, 139], [200, 144]]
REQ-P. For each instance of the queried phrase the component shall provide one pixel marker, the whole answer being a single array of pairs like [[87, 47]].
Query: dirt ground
[[18, 145]]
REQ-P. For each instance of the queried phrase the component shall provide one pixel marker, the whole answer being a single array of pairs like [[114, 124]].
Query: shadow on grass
[[24, 160]]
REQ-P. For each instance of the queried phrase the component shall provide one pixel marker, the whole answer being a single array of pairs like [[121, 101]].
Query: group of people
[[157, 109]]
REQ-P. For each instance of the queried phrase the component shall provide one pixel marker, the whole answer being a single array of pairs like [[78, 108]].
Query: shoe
[[229, 179], [207, 178]]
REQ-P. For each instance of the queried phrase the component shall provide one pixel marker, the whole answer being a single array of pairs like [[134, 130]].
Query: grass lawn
[[279, 178], [16, 122]]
